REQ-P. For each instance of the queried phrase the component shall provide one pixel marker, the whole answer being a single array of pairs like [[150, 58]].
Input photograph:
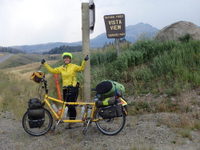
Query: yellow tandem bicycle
[[107, 125]]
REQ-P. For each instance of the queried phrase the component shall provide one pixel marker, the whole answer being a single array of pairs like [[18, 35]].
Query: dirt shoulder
[[141, 132]]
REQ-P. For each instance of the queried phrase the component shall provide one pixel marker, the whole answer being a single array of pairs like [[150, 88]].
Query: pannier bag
[[110, 111], [36, 113], [34, 103], [109, 88], [106, 102], [36, 117]]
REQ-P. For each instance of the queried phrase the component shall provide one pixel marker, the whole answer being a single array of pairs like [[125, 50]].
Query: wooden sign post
[[86, 51]]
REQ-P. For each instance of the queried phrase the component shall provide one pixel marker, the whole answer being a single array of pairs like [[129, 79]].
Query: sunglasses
[[64, 57]]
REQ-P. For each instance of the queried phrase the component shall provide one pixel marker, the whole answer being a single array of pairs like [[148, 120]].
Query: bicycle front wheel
[[43, 129], [110, 126]]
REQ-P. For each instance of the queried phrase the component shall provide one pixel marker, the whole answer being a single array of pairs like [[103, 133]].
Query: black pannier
[[34, 103], [36, 113], [111, 111], [36, 117]]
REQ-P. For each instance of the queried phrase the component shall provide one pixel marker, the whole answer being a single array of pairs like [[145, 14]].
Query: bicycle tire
[[38, 131], [104, 125]]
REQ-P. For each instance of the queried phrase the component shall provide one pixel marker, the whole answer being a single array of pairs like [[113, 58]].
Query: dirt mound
[[177, 30]]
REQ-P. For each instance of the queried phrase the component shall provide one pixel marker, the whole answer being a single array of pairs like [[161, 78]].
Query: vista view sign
[[115, 25]]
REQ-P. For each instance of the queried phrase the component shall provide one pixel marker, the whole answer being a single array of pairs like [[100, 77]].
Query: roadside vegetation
[[151, 67], [15, 92], [161, 71]]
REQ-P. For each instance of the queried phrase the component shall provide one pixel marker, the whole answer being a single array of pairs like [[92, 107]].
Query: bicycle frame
[[64, 104]]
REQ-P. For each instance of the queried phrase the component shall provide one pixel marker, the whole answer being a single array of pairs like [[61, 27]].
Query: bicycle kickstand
[[87, 123], [56, 124]]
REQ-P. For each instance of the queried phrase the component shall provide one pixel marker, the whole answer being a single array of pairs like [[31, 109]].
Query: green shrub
[[144, 74], [185, 38], [164, 63]]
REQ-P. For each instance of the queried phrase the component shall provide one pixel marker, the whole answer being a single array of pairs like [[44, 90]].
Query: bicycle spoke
[[46, 126], [110, 126]]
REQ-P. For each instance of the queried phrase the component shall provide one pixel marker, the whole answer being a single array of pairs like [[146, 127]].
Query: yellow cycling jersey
[[68, 72]]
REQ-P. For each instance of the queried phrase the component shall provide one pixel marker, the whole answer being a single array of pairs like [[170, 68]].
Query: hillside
[[133, 33], [162, 81], [9, 61], [178, 30]]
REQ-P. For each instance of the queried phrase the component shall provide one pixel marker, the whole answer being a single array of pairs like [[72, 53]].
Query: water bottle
[[96, 98], [89, 112], [65, 112], [82, 112], [54, 107]]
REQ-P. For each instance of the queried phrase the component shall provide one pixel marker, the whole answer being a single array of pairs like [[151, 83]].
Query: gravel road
[[142, 132], [5, 57]]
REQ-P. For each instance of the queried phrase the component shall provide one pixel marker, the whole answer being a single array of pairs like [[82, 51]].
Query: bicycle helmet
[[66, 54], [37, 76]]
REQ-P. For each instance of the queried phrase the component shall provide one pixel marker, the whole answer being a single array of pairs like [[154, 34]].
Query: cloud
[[36, 21], [41, 21]]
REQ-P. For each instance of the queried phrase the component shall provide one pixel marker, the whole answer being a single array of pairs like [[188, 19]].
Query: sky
[[26, 22]]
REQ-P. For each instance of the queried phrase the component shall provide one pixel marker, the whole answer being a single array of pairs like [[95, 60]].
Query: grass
[[150, 66], [185, 133], [18, 60], [15, 97]]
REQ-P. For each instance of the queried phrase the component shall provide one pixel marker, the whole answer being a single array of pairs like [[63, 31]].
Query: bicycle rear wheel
[[110, 126], [46, 126]]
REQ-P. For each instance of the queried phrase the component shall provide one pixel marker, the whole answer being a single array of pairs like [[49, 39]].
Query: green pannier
[[109, 88], [106, 102]]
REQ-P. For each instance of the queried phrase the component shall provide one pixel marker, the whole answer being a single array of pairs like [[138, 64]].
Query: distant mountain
[[39, 48], [140, 30], [10, 50], [133, 33]]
